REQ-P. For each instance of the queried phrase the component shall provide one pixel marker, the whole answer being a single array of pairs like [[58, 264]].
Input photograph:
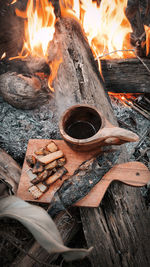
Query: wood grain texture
[[119, 228], [10, 172], [126, 75]]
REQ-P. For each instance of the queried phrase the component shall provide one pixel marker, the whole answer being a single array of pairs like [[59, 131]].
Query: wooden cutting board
[[131, 173]]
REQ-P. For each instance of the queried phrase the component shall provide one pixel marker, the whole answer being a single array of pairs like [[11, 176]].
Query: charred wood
[[126, 75], [112, 228], [80, 183]]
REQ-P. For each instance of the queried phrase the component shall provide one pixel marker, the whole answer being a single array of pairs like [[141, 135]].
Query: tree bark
[[126, 75], [119, 229], [10, 173]]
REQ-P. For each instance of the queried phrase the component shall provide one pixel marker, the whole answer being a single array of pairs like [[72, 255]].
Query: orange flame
[[39, 27], [3, 55], [39, 31], [125, 98], [106, 25], [13, 2], [147, 30]]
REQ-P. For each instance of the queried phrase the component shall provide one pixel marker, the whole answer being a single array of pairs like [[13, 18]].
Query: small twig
[[125, 50], [142, 62], [115, 51]]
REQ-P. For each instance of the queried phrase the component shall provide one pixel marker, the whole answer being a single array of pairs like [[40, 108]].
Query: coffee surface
[[81, 130]]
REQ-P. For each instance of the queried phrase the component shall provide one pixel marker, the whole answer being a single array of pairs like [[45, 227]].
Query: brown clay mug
[[84, 128]]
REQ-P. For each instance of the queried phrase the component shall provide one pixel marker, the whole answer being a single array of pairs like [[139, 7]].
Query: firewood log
[[126, 75], [21, 91]]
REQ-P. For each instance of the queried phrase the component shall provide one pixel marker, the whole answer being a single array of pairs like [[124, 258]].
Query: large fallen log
[[119, 228]]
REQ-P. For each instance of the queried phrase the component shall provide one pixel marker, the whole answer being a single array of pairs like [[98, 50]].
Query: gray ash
[[18, 126], [139, 151]]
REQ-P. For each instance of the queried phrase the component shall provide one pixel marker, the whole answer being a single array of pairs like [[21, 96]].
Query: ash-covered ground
[[139, 151], [18, 126], [134, 121]]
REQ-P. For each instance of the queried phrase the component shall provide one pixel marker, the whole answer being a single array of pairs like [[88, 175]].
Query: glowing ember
[[125, 98]]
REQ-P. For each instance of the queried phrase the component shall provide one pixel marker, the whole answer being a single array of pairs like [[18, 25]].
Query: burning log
[[85, 85], [20, 85]]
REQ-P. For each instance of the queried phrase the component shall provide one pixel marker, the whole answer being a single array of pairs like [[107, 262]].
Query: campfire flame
[[147, 30], [39, 27], [13, 2], [106, 25], [3, 55], [40, 22]]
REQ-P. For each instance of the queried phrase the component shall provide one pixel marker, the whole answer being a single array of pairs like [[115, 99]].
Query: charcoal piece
[[82, 181]]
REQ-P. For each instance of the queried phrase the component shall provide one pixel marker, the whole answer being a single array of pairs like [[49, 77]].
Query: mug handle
[[116, 136]]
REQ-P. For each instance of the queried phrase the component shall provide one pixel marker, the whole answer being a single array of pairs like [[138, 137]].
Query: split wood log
[[119, 228], [10, 173], [126, 75]]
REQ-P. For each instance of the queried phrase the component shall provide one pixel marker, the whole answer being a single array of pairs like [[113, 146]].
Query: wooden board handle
[[130, 173]]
